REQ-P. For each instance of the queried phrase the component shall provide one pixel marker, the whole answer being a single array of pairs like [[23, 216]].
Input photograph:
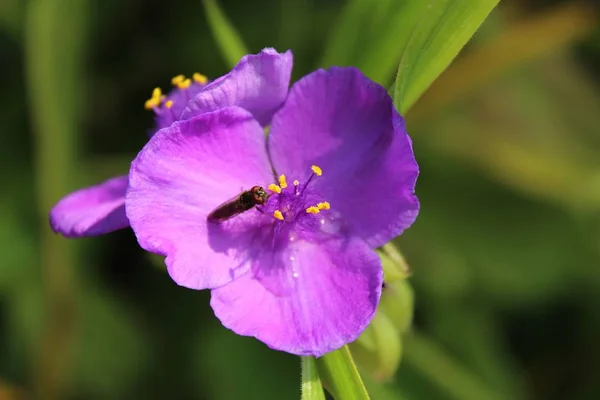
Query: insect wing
[[226, 210]]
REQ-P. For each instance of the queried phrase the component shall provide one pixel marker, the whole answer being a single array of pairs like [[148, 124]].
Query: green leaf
[[440, 32], [340, 375], [390, 35], [228, 39], [343, 42], [312, 389]]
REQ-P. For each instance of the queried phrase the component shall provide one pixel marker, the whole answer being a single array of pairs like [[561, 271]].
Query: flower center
[[296, 203]]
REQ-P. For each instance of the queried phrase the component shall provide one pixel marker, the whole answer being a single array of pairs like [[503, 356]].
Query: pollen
[[274, 188], [324, 205], [317, 170], [184, 84], [199, 78], [169, 103], [155, 100], [282, 182], [177, 80], [313, 210], [278, 215]]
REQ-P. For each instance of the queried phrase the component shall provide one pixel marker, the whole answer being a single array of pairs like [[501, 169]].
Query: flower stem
[[312, 389], [54, 45], [340, 375]]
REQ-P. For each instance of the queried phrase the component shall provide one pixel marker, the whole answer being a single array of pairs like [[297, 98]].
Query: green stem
[[54, 43], [341, 376], [312, 389]]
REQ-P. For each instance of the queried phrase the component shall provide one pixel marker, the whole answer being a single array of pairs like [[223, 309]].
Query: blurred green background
[[505, 253]]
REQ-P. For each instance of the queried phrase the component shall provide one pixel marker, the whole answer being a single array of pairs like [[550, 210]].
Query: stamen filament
[[316, 171]]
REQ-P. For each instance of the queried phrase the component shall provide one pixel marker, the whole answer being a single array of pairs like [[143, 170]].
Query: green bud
[[397, 303], [378, 350], [394, 264]]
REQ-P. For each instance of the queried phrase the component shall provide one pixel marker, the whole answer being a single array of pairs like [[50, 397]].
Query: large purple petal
[[91, 211], [182, 174], [305, 298], [258, 83], [346, 124]]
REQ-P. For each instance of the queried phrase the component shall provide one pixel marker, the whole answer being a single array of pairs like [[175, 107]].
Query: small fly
[[238, 204]]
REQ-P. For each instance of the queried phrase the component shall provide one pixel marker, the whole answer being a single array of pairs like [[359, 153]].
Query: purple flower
[[258, 83], [298, 272]]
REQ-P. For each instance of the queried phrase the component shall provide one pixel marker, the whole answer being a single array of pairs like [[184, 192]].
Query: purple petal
[[258, 83], [346, 124], [92, 211], [305, 299], [182, 174]]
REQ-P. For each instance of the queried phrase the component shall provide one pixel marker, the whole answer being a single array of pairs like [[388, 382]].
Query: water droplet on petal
[[330, 224]]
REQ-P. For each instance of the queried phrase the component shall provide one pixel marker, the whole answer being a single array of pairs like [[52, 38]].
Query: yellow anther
[[282, 182], [277, 214], [169, 103], [296, 182], [324, 206], [177, 80], [200, 78], [150, 104], [313, 210], [318, 171], [274, 188], [155, 100], [185, 84]]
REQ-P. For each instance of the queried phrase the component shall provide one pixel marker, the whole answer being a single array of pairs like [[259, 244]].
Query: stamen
[[185, 84], [274, 188], [155, 100], [317, 170], [324, 206], [177, 80], [313, 210], [282, 181], [169, 103], [199, 78], [278, 215], [296, 182]]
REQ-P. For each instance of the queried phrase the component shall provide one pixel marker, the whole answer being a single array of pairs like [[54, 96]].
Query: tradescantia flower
[[258, 83], [299, 271]]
